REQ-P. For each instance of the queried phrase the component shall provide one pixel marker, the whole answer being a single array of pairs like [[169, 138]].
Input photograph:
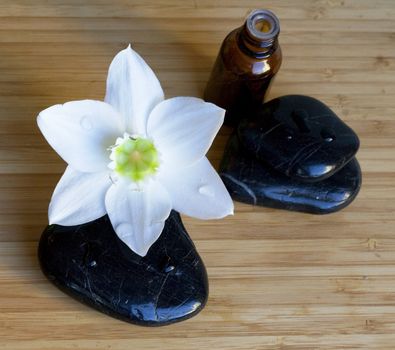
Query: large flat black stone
[[90, 263], [300, 137], [251, 181]]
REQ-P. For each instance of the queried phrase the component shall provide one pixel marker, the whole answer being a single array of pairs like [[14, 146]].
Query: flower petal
[[197, 190], [81, 132], [132, 89], [78, 198], [183, 128], [138, 216]]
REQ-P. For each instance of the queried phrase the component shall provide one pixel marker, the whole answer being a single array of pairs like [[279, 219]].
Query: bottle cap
[[263, 24]]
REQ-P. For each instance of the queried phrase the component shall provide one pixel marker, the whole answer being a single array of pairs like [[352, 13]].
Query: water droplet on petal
[[86, 123], [124, 229], [206, 191], [155, 222]]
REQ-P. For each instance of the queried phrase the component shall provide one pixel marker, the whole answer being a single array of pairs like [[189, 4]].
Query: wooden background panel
[[278, 280]]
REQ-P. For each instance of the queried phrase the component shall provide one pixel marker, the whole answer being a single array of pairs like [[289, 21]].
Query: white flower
[[135, 156]]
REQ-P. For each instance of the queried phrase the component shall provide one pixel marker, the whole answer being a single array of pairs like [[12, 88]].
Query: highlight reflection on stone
[[90, 263]]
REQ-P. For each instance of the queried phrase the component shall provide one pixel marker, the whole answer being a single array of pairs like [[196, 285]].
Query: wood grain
[[278, 280]]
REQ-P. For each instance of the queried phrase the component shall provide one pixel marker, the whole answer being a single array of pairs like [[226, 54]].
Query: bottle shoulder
[[235, 59]]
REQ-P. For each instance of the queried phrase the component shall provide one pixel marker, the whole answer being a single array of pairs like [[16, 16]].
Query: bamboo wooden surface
[[278, 279]]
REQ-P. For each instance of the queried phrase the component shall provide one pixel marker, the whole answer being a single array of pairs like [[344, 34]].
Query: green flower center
[[136, 158]]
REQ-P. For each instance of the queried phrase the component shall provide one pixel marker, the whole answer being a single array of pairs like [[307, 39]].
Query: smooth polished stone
[[300, 137], [90, 263], [251, 181]]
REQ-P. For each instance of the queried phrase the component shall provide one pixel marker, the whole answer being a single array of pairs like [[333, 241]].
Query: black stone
[[251, 181], [300, 137], [90, 263]]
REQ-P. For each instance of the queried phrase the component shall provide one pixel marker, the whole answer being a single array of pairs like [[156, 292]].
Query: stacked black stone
[[90, 263], [295, 154]]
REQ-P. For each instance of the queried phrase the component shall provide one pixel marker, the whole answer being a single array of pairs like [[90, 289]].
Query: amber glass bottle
[[249, 58]]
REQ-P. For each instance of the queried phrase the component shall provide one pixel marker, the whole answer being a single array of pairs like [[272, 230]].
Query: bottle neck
[[258, 37]]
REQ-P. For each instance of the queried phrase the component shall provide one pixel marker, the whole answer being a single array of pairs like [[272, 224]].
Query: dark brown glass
[[249, 58]]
